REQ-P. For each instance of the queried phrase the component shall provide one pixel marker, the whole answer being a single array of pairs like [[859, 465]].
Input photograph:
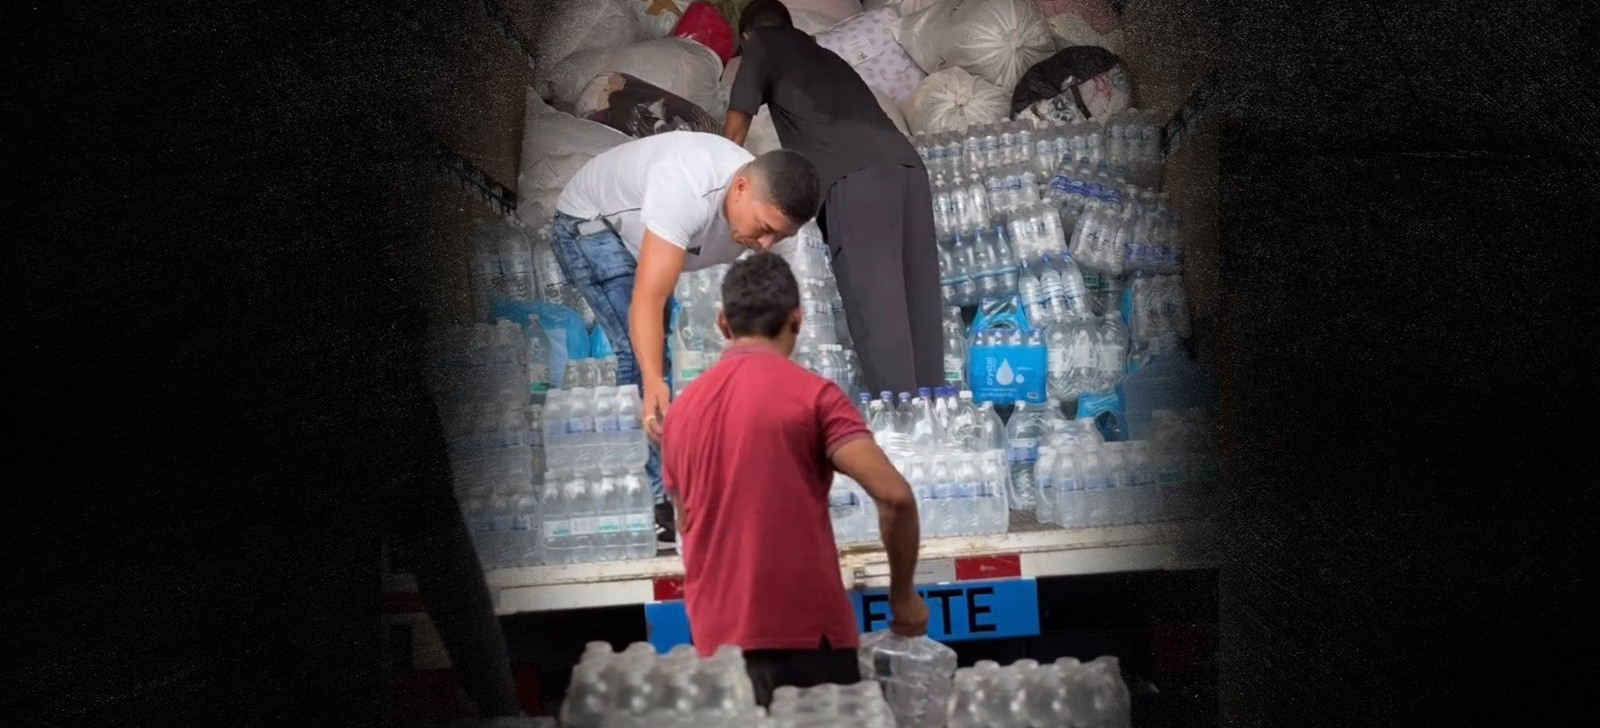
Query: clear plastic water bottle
[[638, 514], [1068, 511], [537, 357], [1113, 352], [924, 426], [555, 520], [581, 505], [955, 348], [1095, 481], [516, 252], [1023, 433], [916, 674], [487, 275], [1044, 481]]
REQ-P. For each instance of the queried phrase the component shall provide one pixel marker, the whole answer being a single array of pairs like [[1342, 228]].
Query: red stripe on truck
[[668, 589], [999, 566]]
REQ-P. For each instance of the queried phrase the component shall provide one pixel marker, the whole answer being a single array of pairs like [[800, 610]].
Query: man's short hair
[[789, 181], [759, 293], [764, 14]]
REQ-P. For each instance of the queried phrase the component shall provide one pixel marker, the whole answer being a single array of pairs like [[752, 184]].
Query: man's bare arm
[[864, 461], [736, 126]]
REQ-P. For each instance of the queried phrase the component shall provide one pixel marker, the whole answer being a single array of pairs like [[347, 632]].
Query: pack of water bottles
[[951, 451], [590, 373], [1026, 694], [594, 428], [915, 673], [481, 380], [1006, 355], [638, 687], [552, 282], [1133, 147], [861, 705], [1158, 314], [510, 262], [1086, 482], [957, 154], [502, 263], [696, 342], [977, 264], [823, 345], [595, 504], [480, 361]]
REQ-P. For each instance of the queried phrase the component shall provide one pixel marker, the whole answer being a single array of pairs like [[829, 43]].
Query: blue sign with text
[[960, 611]]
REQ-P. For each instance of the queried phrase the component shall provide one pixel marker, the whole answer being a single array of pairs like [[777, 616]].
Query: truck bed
[[1028, 549]]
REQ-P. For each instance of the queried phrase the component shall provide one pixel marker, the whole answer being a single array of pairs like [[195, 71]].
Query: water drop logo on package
[[1007, 360]]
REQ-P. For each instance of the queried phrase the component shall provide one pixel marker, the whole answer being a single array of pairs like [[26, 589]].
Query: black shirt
[[820, 106]]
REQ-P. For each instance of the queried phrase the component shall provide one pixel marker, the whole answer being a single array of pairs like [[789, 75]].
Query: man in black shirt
[[877, 211]]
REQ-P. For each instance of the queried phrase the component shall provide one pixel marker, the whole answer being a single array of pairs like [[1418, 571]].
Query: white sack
[[677, 65], [657, 17], [1082, 22], [901, 7], [562, 29], [555, 146], [815, 16], [995, 39], [867, 42], [840, 9], [952, 100]]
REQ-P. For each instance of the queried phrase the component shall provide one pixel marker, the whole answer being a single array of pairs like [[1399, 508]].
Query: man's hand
[[656, 397], [908, 615]]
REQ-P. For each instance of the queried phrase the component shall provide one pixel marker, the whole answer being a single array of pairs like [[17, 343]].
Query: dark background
[[199, 201]]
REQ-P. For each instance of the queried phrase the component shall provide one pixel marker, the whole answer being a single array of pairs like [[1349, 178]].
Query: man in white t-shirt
[[636, 216]]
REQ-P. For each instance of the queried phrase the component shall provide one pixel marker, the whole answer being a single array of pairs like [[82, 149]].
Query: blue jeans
[[602, 269]]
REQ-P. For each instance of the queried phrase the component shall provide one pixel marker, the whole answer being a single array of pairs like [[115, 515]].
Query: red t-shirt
[[745, 450]]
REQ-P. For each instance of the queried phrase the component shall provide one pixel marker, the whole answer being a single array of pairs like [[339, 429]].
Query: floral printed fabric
[[867, 43]]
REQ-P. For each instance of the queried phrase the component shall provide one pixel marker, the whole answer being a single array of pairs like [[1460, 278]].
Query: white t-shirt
[[674, 184]]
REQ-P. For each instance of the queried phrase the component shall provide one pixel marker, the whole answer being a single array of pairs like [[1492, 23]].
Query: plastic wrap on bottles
[[1026, 693], [638, 687], [916, 674]]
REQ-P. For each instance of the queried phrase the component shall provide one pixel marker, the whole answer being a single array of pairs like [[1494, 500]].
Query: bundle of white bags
[[555, 145], [564, 28], [1082, 23], [657, 17], [952, 100], [934, 65], [816, 16], [867, 42], [677, 65], [997, 40]]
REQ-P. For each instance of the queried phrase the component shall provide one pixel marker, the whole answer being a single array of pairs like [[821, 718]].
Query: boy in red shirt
[[748, 455]]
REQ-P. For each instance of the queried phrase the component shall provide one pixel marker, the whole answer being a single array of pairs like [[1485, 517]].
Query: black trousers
[[772, 669], [878, 223]]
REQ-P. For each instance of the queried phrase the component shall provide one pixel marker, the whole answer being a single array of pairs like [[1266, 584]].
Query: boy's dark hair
[[758, 295], [764, 14], [790, 182]]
